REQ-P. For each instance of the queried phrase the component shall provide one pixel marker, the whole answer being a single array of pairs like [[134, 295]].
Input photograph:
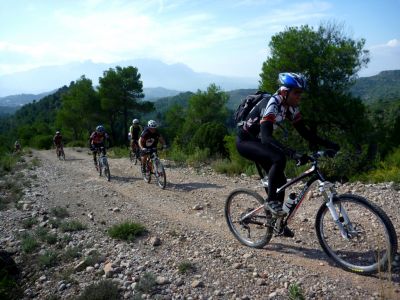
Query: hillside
[[188, 249], [384, 86]]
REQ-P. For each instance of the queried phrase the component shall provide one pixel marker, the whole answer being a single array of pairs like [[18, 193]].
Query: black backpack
[[246, 105]]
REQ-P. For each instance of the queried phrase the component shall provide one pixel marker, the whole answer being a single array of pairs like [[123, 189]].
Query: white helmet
[[135, 121], [152, 124]]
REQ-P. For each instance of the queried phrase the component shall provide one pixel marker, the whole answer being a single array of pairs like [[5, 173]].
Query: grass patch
[[72, 226], [71, 253], [146, 283], [127, 231], [59, 212], [29, 243], [118, 152], [103, 290], [54, 223], [28, 223], [295, 292], [45, 236], [185, 267], [93, 259], [48, 259]]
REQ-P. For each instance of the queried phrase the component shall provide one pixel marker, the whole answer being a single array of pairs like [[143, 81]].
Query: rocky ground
[[188, 252]]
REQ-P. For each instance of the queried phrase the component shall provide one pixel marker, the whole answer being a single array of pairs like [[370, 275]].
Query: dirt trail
[[224, 265]]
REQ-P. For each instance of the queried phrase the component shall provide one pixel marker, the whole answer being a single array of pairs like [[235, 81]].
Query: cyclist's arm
[[313, 139], [267, 128], [141, 143]]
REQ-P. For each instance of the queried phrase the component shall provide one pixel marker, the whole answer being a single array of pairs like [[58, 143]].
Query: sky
[[224, 37]]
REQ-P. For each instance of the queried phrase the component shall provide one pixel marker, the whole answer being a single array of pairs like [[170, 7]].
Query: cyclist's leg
[[272, 161], [143, 157]]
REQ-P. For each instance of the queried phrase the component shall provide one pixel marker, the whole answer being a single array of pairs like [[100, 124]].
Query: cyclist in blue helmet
[[97, 139], [256, 142]]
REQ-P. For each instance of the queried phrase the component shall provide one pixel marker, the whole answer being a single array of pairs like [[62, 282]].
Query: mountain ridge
[[154, 73]]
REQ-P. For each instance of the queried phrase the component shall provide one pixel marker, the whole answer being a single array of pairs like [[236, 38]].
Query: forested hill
[[384, 86]]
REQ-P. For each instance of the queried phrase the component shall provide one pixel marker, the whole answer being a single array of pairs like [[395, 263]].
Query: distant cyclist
[[17, 146], [149, 139], [58, 141], [97, 140], [134, 133]]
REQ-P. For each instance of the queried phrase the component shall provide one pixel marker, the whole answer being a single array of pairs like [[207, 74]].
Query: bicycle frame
[[327, 189]]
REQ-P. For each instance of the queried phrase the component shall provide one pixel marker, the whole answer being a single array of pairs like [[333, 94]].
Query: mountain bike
[[355, 233], [134, 155], [153, 165], [102, 163], [60, 153]]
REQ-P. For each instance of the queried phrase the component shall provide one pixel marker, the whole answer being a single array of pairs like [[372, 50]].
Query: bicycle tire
[[147, 174], [244, 201], [372, 230], [63, 155], [107, 173], [131, 156], [160, 174], [100, 167], [137, 157]]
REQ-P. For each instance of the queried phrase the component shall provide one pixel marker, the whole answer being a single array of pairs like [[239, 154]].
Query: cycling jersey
[[57, 139], [268, 109], [135, 131], [97, 138], [149, 139]]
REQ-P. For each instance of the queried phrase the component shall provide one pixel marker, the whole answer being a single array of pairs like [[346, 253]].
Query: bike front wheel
[[160, 174], [148, 170], [369, 241], [107, 172], [247, 219]]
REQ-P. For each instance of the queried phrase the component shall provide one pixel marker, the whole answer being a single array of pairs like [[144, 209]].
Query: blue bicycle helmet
[[292, 80], [100, 129]]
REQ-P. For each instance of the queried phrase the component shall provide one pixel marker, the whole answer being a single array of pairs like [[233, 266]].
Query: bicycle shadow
[[125, 179], [319, 255], [190, 186], [73, 159]]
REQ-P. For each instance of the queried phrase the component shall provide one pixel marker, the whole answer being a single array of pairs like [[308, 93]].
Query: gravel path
[[186, 226]]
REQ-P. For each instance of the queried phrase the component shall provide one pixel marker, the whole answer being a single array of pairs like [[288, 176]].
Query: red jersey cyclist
[[97, 140]]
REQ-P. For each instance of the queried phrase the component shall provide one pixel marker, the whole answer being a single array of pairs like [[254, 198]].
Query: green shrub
[[29, 243], [71, 253], [93, 258], [209, 136], [48, 259], [77, 144], [72, 226], [387, 170], [295, 292], [7, 162], [127, 231], [177, 155], [198, 156], [59, 212], [185, 267], [103, 290], [146, 283], [41, 141], [118, 152]]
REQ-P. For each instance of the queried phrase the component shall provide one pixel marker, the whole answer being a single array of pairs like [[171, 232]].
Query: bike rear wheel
[[251, 228], [160, 174], [371, 238]]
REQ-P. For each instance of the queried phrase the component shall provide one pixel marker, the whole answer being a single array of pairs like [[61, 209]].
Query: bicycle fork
[[341, 218]]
